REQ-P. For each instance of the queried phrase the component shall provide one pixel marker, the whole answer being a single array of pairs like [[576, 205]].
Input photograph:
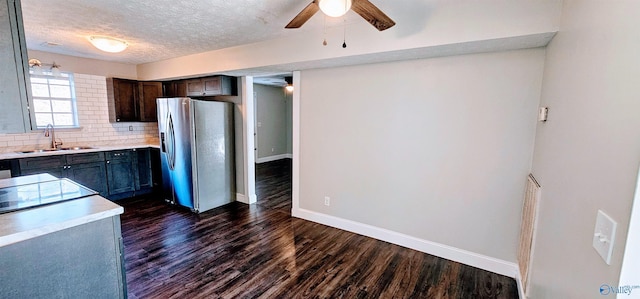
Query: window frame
[[73, 100]]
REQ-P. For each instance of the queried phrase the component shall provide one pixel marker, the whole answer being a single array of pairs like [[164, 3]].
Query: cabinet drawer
[[42, 162], [85, 158], [119, 155]]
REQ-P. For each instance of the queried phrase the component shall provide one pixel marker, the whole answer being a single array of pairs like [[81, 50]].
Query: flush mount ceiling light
[[335, 8], [108, 44]]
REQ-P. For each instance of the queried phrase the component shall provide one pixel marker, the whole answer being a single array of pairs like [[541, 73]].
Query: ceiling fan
[[336, 8]]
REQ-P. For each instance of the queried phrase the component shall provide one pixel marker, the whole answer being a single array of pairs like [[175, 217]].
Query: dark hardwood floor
[[273, 185], [259, 251]]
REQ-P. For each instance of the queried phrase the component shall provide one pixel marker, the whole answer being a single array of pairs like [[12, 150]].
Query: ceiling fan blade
[[304, 15], [372, 14]]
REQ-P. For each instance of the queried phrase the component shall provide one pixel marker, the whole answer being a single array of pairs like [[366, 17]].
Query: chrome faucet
[[49, 130]]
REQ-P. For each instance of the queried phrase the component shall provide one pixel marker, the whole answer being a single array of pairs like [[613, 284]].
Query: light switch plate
[[604, 235]]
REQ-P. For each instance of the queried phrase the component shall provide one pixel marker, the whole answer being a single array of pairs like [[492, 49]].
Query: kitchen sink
[[46, 150], [39, 151], [71, 148]]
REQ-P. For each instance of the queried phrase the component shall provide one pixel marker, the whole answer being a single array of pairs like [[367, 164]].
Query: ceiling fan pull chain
[[344, 37], [324, 26]]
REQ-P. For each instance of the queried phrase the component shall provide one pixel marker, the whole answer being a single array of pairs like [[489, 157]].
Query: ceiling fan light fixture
[[108, 44], [335, 8]]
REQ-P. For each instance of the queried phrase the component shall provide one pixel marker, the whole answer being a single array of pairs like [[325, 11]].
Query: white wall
[[587, 155], [437, 149], [272, 121]]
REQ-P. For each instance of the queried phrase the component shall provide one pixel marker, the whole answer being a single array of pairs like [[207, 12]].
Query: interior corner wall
[[272, 122], [587, 154], [437, 149]]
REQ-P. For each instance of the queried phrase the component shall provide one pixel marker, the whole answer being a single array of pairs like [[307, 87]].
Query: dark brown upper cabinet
[[212, 86], [174, 89], [123, 95], [132, 101], [148, 93]]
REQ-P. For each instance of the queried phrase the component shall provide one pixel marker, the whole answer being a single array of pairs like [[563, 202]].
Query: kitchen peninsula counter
[[68, 249], [33, 222]]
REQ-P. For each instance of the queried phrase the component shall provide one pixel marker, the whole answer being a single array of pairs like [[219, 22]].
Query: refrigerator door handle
[[163, 146], [171, 146]]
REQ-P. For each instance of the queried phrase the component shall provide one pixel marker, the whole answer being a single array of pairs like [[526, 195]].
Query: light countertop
[[102, 148], [30, 223]]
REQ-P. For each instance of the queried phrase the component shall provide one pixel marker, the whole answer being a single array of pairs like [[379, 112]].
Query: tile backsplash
[[93, 117]]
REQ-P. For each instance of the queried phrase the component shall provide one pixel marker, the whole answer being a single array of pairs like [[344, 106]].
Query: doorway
[[273, 151]]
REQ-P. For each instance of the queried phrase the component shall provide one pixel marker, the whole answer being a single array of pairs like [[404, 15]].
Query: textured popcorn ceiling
[[161, 29], [157, 29]]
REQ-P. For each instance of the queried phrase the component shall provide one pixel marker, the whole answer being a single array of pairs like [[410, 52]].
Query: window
[[54, 100]]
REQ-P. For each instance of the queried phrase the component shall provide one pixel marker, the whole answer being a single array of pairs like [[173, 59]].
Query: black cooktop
[[41, 193]]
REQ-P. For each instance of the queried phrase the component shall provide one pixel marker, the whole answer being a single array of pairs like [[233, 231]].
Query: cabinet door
[[180, 88], [120, 172], [156, 167], [14, 87], [149, 92], [91, 175], [195, 88], [53, 165], [145, 180], [173, 89], [212, 86], [125, 97]]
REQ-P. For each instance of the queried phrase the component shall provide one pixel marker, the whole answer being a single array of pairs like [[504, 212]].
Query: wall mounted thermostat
[[543, 113]]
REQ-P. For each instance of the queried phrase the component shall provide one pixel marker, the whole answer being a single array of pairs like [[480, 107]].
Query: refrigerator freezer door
[[180, 157], [213, 154], [163, 131]]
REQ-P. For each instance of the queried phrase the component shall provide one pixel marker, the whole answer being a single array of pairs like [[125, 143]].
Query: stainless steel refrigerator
[[197, 152]]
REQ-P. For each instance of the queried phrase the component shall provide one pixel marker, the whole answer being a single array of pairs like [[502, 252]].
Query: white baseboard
[[244, 199], [274, 158], [518, 279], [444, 251]]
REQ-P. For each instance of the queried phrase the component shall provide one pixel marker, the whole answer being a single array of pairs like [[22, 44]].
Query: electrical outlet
[[604, 236], [273, 149], [327, 201], [130, 128]]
